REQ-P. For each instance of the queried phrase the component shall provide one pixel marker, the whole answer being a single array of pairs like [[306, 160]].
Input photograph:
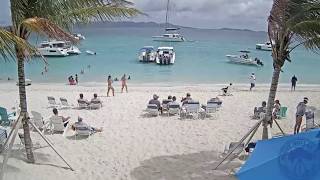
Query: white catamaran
[[171, 34]]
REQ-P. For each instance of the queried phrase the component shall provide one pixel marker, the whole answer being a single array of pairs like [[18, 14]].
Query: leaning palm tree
[[291, 23], [53, 18]]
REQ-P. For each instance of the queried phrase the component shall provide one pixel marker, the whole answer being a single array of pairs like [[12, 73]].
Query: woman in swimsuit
[[124, 83], [110, 86]]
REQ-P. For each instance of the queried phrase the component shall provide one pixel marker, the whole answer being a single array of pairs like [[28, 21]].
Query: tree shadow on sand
[[197, 166]]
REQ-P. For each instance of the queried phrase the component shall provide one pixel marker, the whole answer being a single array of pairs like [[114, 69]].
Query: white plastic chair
[[37, 120], [82, 105], [173, 109], [52, 102], [64, 103], [192, 108], [153, 110], [56, 124], [95, 106], [211, 108]]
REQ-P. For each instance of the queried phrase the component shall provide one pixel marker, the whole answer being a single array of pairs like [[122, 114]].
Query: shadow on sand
[[197, 166]]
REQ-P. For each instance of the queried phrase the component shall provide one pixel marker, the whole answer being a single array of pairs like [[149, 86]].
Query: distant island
[[151, 25]]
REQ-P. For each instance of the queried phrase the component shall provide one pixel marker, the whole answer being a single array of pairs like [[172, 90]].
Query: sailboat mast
[[167, 14]]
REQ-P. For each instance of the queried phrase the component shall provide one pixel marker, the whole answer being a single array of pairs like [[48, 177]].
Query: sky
[[242, 14]]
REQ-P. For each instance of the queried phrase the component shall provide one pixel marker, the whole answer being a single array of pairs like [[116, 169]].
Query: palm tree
[[291, 23], [53, 19]]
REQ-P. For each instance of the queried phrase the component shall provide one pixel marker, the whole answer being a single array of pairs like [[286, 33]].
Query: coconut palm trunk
[[23, 104], [272, 96]]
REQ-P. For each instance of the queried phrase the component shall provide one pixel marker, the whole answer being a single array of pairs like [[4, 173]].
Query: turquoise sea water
[[200, 61]]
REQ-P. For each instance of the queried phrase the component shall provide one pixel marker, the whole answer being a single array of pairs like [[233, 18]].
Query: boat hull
[[49, 52], [146, 58], [168, 60], [263, 47], [167, 39], [239, 60], [74, 51]]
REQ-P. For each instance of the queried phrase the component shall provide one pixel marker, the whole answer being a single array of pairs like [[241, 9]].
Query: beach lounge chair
[[37, 120], [165, 104], [211, 107], [173, 109], [83, 132], [282, 113], [236, 152], [55, 124], [82, 104], [64, 103], [310, 123], [95, 105], [153, 109], [5, 118], [3, 138], [52, 102], [192, 109]]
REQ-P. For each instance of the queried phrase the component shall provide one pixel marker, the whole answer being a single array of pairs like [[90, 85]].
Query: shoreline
[[166, 84]]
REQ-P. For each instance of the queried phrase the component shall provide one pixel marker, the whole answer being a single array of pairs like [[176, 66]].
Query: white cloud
[[251, 14]]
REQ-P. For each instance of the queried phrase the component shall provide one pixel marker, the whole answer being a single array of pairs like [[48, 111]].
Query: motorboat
[[147, 54], [171, 33], [265, 47], [73, 50], [165, 56], [244, 58], [91, 52], [57, 48], [79, 36], [169, 37]]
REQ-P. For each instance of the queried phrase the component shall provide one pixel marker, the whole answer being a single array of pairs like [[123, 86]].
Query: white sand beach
[[134, 146]]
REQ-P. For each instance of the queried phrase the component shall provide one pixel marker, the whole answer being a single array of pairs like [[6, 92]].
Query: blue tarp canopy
[[294, 157]]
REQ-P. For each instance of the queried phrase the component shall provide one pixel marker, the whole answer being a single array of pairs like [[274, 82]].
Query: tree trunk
[[23, 105], [272, 96]]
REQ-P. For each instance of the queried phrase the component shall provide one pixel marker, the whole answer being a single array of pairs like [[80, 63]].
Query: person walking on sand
[[77, 78], [110, 81], [124, 83], [301, 110], [294, 80], [252, 81]]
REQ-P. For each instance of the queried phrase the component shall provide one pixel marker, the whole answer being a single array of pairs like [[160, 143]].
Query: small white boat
[[147, 54], [79, 36], [265, 47], [165, 56], [73, 50], [90, 52], [169, 37], [244, 58]]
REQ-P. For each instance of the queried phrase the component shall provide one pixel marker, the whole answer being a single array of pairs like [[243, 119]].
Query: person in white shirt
[[252, 81]]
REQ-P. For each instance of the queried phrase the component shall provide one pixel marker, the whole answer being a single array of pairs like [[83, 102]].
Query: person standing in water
[[252, 81], [110, 81], [294, 80], [124, 83]]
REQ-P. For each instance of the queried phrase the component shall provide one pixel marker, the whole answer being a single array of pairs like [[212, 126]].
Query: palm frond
[[45, 27], [67, 12], [8, 42]]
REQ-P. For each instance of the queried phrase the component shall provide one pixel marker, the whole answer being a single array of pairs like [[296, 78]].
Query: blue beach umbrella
[[294, 157]]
